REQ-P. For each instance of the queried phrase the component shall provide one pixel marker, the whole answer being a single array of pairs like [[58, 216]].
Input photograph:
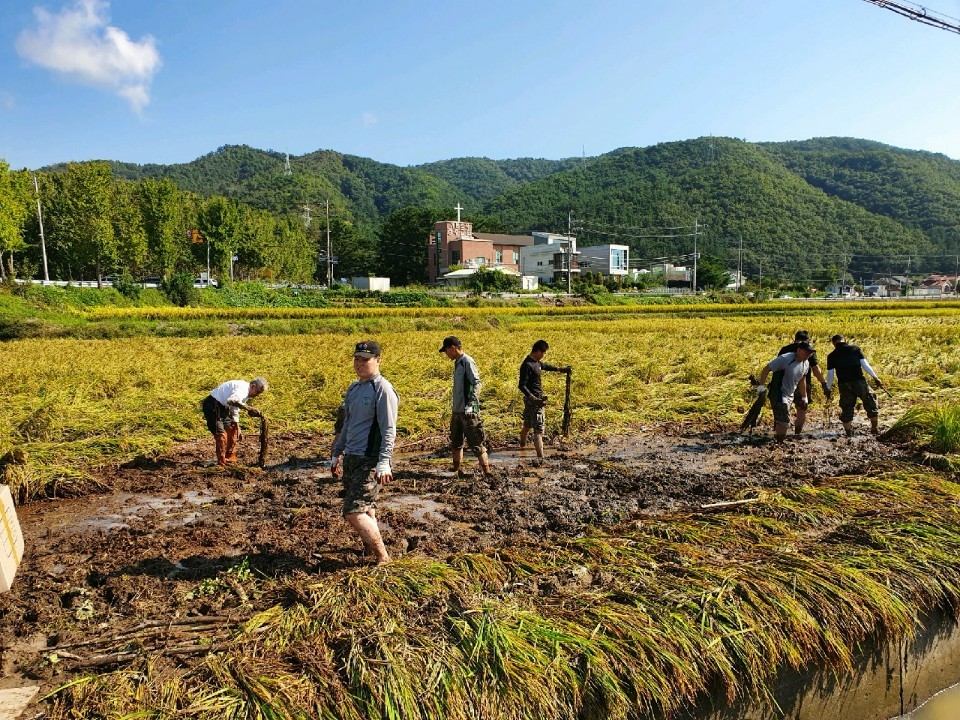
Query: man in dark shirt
[[801, 403], [534, 417], [848, 362]]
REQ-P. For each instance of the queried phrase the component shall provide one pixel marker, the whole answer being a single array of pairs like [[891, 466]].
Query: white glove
[[760, 388], [383, 468], [468, 410]]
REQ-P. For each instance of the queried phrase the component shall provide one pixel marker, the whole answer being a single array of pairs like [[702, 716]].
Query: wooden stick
[[264, 439], [566, 407], [729, 503]]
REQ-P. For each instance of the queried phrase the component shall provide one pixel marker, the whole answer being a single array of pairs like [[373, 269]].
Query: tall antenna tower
[[287, 170]]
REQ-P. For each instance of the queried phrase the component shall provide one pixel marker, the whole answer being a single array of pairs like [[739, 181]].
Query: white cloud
[[79, 43], [369, 119]]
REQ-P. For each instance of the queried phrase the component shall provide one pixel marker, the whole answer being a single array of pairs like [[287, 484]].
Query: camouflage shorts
[[360, 486], [533, 415], [467, 427]]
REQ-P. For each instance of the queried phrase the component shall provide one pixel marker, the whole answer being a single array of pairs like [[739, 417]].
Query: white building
[[550, 257], [608, 260], [371, 283]]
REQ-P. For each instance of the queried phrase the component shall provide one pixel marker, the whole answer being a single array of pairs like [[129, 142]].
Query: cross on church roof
[[458, 209]]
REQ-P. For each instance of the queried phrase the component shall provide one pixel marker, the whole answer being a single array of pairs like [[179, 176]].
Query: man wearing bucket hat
[[466, 427], [364, 448]]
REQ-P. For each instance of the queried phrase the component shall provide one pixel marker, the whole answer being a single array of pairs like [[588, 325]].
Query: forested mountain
[[732, 189], [370, 190], [804, 210], [918, 189], [483, 179]]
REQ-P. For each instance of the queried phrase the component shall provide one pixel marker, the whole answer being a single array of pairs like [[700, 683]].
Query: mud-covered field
[[178, 548]]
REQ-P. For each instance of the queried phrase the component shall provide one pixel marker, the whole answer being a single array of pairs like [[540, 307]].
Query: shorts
[[781, 411], [219, 417], [360, 486], [533, 415], [850, 392], [469, 427]]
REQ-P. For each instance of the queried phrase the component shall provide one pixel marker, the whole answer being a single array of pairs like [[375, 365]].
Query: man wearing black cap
[[795, 366], [801, 402], [848, 362], [530, 385], [465, 422], [363, 449]]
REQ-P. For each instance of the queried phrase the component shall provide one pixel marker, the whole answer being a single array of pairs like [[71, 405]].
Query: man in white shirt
[[793, 381], [221, 410]]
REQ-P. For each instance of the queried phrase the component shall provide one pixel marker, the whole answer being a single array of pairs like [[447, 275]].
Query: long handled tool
[[752, 417], [565, 427], [264, 435], [884, 388]]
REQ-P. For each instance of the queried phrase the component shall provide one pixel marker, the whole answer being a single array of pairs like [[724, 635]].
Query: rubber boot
[[457, 460], [848, 428], [220, 439], [798, 427], [231, 449], [875, 425]]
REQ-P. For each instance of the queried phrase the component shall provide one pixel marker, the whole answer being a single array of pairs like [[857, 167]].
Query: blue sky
[[410, 82]]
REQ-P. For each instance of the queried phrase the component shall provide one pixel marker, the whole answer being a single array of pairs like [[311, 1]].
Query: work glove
[[383, 471], [802, 404], [827, 391], [567, 369], [876, 381], [542, 400], [335, 469], [760, 389], [255, 413]]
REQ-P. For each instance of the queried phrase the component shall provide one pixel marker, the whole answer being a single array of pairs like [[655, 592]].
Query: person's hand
[[876, 381], [254, 412], [335, 469], [383, 472], [759, 388], [542, 400], [239, 433], [802, 404], [567, 369]]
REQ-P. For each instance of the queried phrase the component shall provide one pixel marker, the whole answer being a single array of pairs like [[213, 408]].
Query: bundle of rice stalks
[[935, 428]]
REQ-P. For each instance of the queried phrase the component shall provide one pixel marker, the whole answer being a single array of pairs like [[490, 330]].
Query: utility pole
[[329, 256], [740, 264], [43, 243], [569, 255], [695, 228]]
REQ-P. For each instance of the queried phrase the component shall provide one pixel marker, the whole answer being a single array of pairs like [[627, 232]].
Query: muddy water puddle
[[944, 705], [107, 513]]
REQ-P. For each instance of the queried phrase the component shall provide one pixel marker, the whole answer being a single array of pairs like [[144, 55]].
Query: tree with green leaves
[[711, 273], [81, 215], [219, 223], [403, 244], [161, 204], [13, 213], [128, 229]]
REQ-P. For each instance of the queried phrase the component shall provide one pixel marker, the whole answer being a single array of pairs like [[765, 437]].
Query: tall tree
[[128, 229], [81, 217], [13, 213], [163, 218], [403, 244], [219, 224]]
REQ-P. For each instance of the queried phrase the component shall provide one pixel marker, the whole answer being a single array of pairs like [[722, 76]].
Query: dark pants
[[467, 427], [855, 390], [219, 417]]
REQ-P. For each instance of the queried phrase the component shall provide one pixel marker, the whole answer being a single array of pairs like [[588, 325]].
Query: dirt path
[[175, 539]]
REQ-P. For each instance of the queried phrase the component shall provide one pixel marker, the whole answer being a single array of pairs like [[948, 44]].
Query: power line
[[913, 11]]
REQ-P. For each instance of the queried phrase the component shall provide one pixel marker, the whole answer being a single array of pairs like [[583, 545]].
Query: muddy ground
[[155, 547]]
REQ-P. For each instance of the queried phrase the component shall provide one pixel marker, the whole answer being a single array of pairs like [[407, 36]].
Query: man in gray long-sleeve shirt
[[465, 422], [363, 449]]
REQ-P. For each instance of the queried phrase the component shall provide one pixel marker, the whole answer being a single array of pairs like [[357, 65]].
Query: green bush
[[180, 290]]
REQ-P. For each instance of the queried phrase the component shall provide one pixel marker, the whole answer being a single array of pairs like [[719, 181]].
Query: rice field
[[643, 617], [72, 405]]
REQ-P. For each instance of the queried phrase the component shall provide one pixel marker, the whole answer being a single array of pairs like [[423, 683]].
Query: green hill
[[732, 189], [806, 209]]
